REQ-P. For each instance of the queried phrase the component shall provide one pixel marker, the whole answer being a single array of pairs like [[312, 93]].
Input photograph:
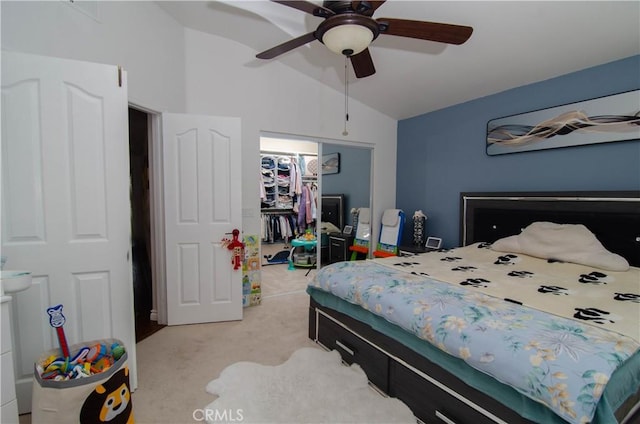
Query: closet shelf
[[284, 185]]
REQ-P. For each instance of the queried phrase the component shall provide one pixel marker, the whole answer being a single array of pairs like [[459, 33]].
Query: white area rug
[[312, 386]]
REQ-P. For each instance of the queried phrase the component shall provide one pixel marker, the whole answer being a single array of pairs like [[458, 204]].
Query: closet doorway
[[288, 208], [349, 179]]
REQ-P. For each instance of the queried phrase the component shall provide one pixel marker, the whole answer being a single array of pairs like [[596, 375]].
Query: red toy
[[236, 247]]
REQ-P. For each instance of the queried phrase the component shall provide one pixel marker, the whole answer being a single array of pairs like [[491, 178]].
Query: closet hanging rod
[[276, 211]]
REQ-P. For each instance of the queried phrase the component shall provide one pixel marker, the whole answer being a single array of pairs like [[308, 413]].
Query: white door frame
[[156, 190], [158, 260]]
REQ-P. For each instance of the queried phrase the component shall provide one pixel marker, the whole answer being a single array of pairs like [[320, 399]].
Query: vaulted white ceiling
[[514, 43]]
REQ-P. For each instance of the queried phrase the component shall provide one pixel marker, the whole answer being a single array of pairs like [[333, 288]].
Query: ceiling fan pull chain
[[346, 95]]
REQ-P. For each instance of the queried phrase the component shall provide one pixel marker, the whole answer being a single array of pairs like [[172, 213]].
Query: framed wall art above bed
[[602, 120], [479, 335]]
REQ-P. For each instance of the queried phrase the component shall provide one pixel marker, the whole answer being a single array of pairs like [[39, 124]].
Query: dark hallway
[[141, 224]]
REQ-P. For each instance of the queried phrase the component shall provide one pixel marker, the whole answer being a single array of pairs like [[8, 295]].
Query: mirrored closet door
[[313, 188]]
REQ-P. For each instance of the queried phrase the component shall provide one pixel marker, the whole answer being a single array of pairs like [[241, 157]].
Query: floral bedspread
[[558, 361]]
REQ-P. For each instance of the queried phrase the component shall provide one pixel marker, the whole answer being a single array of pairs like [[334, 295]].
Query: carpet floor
[[176, 363]]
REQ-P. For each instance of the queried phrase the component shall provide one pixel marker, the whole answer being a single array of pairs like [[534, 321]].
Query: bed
[[536, 346]]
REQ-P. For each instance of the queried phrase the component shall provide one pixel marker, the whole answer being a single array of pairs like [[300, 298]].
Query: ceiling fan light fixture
[[348, 40]]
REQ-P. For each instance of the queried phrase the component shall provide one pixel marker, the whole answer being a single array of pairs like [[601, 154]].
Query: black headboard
[[613, 216]]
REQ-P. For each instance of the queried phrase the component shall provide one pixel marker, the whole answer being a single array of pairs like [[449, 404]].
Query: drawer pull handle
[[443, 418], [345, 348]]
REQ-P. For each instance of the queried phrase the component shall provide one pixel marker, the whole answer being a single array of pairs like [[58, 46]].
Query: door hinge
[[119, 76]]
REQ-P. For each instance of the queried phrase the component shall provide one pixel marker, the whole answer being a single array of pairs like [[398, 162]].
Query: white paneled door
[[65, 204], [203, 204]]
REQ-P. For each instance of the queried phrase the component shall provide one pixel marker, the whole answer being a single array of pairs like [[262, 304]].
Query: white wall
[[139, 36], [187, 71], [224, 78]]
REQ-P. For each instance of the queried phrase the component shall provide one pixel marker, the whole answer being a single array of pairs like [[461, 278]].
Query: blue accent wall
[[443, 153], [354, 177]]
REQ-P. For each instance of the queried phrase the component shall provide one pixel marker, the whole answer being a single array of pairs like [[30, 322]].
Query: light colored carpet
[[312, 386], [176, 363], [278, 280]]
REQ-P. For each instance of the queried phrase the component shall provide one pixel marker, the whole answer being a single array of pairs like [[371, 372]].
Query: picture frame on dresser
[[433, 243]]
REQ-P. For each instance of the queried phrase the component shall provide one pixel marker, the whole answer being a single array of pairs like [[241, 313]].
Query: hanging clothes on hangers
[[307, 204], [295, 187], [302, 210], [278, 226], [313, 190]]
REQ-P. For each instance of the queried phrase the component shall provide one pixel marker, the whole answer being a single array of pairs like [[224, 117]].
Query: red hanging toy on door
[[236, 247]]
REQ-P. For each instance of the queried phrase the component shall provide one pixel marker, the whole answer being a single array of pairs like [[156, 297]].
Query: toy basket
[[103, 397]]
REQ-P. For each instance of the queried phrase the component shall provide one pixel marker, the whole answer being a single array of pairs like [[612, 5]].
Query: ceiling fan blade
[[433, 31], [366, 8], [285, 47], [363, 64], [308, 7]]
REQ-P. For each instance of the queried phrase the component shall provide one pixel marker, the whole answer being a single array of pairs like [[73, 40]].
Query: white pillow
[[565, 242]]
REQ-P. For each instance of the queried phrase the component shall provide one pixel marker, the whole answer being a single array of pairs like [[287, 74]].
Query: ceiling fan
[[348, 29]]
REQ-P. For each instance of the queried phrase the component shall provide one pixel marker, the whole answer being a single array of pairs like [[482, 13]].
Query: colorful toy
[[117, 350], [96, 352], [308, 235], [80, 357], [89, 360], [48, 361], [236, 247], [57, 320], [103, 364]]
